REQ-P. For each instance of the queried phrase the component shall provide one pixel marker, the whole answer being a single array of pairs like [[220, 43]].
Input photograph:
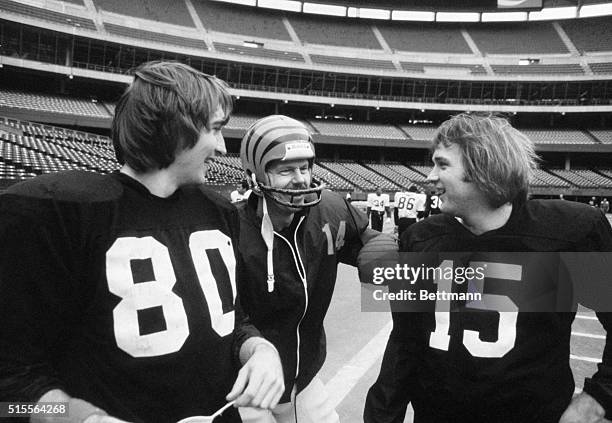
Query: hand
[[260, 381], [388, 220], [584, 409]]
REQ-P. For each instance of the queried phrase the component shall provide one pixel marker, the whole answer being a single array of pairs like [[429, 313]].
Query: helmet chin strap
[[268, 192]]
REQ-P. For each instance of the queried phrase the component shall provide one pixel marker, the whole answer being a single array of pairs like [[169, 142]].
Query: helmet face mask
[[278, 138]]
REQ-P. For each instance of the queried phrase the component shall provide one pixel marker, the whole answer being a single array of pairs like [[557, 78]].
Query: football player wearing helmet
[[293, 233], [118, 292], [485, 364]]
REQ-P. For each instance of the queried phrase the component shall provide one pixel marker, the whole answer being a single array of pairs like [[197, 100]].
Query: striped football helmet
[[272, 138]]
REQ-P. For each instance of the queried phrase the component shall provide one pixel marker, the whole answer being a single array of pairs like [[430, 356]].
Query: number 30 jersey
[[118, 297], [485, 366]]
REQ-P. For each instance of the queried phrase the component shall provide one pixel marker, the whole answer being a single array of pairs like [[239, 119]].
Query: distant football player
[[241, 193], [486, 364], [432, 206], [118, 292], [377, 208], [409, 206], [293, 233]]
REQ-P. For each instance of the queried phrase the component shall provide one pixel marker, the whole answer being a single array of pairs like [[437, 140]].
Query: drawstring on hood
[[267, 233]]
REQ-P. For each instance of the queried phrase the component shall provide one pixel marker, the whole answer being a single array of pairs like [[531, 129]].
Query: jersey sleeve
[[356, 224], [37, 300], [600, 385]]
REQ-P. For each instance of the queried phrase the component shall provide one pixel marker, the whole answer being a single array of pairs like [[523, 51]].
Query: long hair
[[499, 159], [163, 112]]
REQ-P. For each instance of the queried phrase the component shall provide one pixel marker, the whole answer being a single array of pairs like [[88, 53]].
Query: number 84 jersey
[[118, 297]]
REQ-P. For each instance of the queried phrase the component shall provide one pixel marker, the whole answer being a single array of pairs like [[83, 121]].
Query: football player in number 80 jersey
[[118, 292], [492, 365]]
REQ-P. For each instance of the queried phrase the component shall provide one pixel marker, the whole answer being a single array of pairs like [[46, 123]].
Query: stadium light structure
[[457, 16], [288, 5], [324, 9], [367, 13], [413, 15], [553, 13], [242, 2], [590, 10], [503, 16]]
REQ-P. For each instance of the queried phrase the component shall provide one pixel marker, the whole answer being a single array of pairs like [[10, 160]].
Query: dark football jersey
[[433, 205], [291, 316], [118, 297], [485, 366]]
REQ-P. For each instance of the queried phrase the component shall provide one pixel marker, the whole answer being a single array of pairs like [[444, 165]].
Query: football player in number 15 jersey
[[487, 364], [118, 292]]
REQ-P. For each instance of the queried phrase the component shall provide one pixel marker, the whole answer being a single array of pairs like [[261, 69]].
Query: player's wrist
[[252, 345]]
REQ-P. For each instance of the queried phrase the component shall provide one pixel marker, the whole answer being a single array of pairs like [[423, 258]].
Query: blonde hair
[[497, 158]]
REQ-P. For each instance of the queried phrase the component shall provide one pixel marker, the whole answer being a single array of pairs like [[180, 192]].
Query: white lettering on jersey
[[408, 204], [378, 202], [158, 292], [506, 338]]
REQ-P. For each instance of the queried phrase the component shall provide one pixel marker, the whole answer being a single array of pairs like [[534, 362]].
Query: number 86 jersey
[[118, 297]]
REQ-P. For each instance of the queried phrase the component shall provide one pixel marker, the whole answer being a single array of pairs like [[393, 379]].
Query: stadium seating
[[51, 103], [172, 12], [604, 67], [158, 37], [419, 132], [403, 176], [605, 136], [46, 15], [573, 178], [421, 67], [548, 136], [594, 177], [539, 69], [368, 174], [541, 178], [349, 62], [361, 130], [424, 37], [259, 52], [329, 31], [10, 172], [591, 35], [517, 38], [605, 172], [331, 180], [241, 20], [422, 169], [346, 173], [241, 121]]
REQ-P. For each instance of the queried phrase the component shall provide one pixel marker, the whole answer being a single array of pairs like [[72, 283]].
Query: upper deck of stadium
[[569, 49]]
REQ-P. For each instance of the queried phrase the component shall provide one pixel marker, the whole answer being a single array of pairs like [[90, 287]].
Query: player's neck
[[486, 219], [280, 218], [159, 182]]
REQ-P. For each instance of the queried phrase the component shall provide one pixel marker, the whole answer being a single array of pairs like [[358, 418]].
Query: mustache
[[291, 185]]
